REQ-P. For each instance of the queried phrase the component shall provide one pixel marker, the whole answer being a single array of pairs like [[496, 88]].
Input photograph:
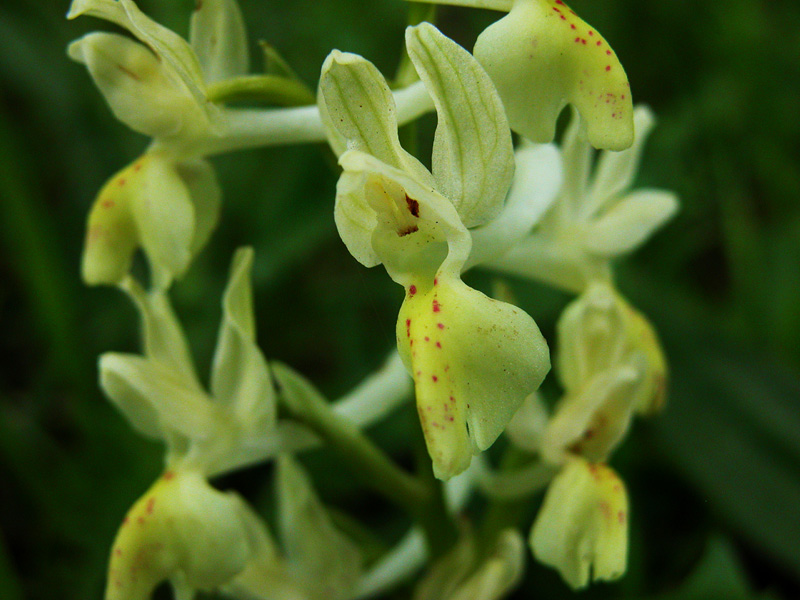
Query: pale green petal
[[576, 155], [593, 421], [592, 336], [266, 576], [499, 573], [200, 179], [164, 216], [540, 63], [537, 180], [474, 360], [473, 159], [542, 259], [126, 72], [582, 527], [163, 339], [166, 44], [358, 106], [326, 562], [240, 379], [355, 219], [629, 222], [446, 574], [181, 527], [616, 171], [218, 37], [417, 229], [154, 399], [528, 424]]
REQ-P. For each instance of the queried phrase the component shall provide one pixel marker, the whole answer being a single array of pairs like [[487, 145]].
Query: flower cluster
[[539, 211]]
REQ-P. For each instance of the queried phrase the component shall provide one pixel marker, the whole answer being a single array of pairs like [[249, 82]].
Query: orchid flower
[[175, 530], [541, 57], [473, 359], [162, 86], [595, 218], [582, 527], [611, 366], [167, 201], [464, 574]]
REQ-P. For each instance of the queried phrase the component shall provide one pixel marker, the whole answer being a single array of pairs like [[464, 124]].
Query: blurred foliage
[[715, 481]]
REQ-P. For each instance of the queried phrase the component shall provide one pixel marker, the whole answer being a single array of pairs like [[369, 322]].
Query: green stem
[[272, 89], [366, 460]]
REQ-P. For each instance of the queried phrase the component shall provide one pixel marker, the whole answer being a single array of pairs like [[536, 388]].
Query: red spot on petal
[[121, 181], [599, 42], [583, 42], [452, 399], [623, 96], [168, 475], [591, 32], [608, 67], [118, 551], [140, 520], [563, 18], [608, 52], [440, 325], [436, 306], [435, 280], [573, 26], [555, 9], [150, 505], [450, 418], [435, 378], [427, 339], [413, 206], [412, 290], [438, 344], [621, 516], [108, 204], [577, 40]]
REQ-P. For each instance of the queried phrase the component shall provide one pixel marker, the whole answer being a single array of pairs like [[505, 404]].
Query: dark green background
[[714, 482]]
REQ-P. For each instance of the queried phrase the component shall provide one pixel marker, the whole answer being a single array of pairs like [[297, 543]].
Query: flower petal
[[153, 399], [615, 171], [499, 572], [125, 71], [166, 44], [200, 179], [177, 528], [582, 527], [629, 222], [146, 204], [164, 216], [474, 360], [240, 379], [218, 37], [542, 56], [359, 112], [473, 159], [415, 231], [537, 180], [163, 338], [326, 562]]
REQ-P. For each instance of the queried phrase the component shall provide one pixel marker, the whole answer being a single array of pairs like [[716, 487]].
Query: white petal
[[218, 36], [153, 399], [616, 170], [537, 180], [473, 159], [630, 222], [240, 379]]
